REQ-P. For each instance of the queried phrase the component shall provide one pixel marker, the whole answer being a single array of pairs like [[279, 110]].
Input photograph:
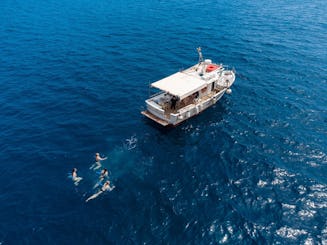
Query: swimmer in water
[[106, 187], [103, 175], [98, 160], [75, 178]]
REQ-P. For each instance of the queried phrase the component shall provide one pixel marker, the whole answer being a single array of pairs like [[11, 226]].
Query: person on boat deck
[[195, 96], [98, 160], [75, 178], [173, 102], [106, 186]]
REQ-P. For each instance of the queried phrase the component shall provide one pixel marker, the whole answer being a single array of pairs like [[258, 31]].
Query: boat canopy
[[180, 84]]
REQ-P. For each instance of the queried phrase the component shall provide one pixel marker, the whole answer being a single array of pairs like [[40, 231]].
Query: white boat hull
[[172, 119], [187, 93]]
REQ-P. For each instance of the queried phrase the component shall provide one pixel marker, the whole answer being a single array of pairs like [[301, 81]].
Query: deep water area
[[74, 75]]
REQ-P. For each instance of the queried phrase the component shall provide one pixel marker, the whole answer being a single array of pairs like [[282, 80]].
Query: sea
[[74, 75]]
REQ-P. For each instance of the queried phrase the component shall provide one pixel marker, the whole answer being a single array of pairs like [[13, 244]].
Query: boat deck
[[154, 118]]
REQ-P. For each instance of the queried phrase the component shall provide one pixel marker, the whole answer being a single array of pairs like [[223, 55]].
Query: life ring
[[211, 68]]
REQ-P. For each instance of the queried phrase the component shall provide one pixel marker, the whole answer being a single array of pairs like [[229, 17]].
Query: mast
[[200, 55], [200, 61]]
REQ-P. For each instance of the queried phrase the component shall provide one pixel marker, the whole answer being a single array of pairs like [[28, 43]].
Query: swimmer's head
[[97, 154], [74, 170]]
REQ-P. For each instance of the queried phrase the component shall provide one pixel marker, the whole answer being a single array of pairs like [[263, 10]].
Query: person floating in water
[[98, 160], [75, 178], [106, 187], [104, 174]]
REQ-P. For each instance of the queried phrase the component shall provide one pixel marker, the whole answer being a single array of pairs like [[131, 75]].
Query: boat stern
[[154, 118]]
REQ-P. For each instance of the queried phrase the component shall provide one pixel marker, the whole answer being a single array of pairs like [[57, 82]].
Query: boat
[[188, 92]]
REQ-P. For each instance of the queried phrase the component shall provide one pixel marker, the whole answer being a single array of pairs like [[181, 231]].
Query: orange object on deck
[[211, 68]]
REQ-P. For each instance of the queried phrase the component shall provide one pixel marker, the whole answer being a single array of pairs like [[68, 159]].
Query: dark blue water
[[74, 76]]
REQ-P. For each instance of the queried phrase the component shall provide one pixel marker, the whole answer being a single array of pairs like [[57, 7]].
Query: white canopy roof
[[180, 84]]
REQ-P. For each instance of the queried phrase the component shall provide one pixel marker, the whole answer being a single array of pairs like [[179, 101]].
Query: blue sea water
[[250, 170]]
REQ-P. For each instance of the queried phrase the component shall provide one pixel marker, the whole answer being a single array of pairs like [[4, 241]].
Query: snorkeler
[[106, 187], [75, 178], [103, 175], [98, 160]]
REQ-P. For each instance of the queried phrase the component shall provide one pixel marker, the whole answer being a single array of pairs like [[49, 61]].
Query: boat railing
[[156, 94], [186, 108], [154, 108]]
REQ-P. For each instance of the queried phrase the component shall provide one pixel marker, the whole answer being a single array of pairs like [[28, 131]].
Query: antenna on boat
[[200, 55], [149, 88]]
